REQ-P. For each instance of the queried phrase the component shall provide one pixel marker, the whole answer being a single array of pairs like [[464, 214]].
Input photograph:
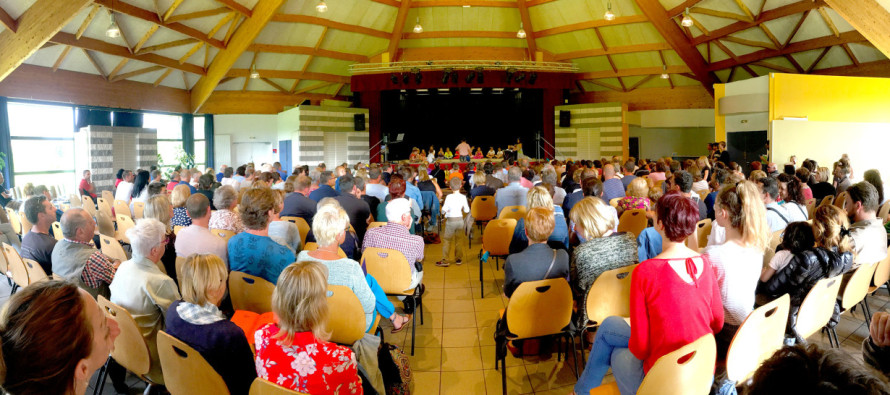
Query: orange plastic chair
[[390, 268], [512, 212], [633, 221], [496, 241]]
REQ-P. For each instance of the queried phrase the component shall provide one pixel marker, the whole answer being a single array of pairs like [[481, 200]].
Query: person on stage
[[491, 153], [478, 154], [464, 150], [500, 154], [431, 156], [441, 153], [518, 148], [415, 155], [448, 154]]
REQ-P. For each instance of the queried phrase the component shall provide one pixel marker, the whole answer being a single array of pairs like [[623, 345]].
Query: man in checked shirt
[[76, 259]]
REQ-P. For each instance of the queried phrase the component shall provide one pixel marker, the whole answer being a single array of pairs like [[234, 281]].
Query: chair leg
[[504, 375], [866, 311], [420, 307], [100, 380], [413, 331], [574, 355], [833, 333], [481, 281]]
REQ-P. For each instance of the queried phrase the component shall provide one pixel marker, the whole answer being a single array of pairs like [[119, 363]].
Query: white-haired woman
[[142, 289], [225, 198]]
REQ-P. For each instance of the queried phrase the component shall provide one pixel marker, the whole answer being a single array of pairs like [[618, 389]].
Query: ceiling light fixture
[[480, 75], [664, 72], [609, 16], [687, 20], [521, 32], [417, 27], [466, 6], [113, 30], [253, 72], [321, 7]]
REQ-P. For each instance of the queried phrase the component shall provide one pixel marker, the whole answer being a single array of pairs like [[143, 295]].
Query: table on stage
[[445, 164]]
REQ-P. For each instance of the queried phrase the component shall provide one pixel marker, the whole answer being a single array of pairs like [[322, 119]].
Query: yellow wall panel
[[830, 98]]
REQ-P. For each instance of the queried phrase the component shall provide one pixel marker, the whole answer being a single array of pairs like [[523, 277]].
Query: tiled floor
[[455, 347]]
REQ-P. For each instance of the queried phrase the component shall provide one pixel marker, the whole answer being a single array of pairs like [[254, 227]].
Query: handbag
[[395, 369]]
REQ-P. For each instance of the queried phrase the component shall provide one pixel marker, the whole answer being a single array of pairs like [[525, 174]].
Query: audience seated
[[813, 370], [225, 198], [142, 289], [873, 177], [869, 235], [206, 185], [820, 185], [842, 172], [297, 203], [358, 210], [513, 194], [86, 186], [394, 235], [480, 188], [537, 261], [637, 196], [453, 210], [612, 186], [375, 186], [548, 176], [737, 263], [197, 321], [125, 187], [628, 171], [159, 208], [178, 198], [791, 193], [682, 181], [54, 337], [397, 187], [38, 243], [325, 189], [557, 238], [294, 352], [197, 238], [75, 259], [803, 176], [675, 299], [253, 251], [588, 184], [776, 216], [285, 233]]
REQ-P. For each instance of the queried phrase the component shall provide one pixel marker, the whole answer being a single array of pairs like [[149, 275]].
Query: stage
[[445, 164]]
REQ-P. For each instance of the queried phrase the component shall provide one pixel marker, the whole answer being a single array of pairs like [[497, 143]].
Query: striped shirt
[[396, 237]]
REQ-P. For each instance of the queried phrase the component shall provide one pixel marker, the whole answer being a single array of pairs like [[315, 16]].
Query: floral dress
[[309, 365], [180, 217], [226, 219], [631, 203]]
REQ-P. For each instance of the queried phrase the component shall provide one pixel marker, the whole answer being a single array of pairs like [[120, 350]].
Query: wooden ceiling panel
[[812, 27], [329, 66], [566, 12], [598, 63], [274, 61], [151, 77], [234, 84], [866, 53], [737, 49], [365, 13], [783, 27], [463, 42], [637, 60], [630, 34], [340, 41], [570, 42], [281, 33]]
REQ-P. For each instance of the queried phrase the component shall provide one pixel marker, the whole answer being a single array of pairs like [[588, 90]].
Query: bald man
[[76, 259], [612, 186]]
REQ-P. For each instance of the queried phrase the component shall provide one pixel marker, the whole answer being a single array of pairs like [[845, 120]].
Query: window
[[169, 129], [200, 143], [42, 142]]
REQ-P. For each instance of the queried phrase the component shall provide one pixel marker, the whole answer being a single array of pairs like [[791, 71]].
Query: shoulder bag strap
[[547, 275], [773, 209]]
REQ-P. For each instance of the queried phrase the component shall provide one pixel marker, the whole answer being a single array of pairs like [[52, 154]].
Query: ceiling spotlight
[[609, 16], [113, 30], [664, 72], [394, 78], [521, 32], [687, 20], [454, 77], [520, 77], [418, 76], [510, 73], [466, 6], [321, 7], [446, 74], [417, 27], [254, 74], [471, 77], [406, 78], [532, 78], [480, 76]]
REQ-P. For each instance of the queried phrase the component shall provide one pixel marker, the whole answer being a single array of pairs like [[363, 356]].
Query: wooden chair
[[224, 234], [177, 228], [124, 223], [882, 274], [702, 230], [884, 211], [633, 221], [376, 224], [35, 271], [826, 200], [302, 226], [614, 202], [179, 262], [104, 207], [856, 289], [774, 242], [312, 246], [538, 309], [512, 212], [185, 370], [87, 204], [690, 368], [483, 209], [760, 335], [265, 387], [496, 240], [390, 269], [817, 307], [57, 230], [250, 293], [122, 208], [811, 207], [138, 208], [26, 225], [112, 248], [841, 200], [108, 196], [130, 349], [347, 326], [16, 269], [75, 200], [14, 220], [104, 224], [609, 295]]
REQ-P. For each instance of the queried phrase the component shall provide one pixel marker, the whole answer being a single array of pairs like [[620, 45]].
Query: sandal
[[404, 324]]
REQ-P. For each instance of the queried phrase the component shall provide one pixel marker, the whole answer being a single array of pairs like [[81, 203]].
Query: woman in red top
[[674, 300], [294, 353]]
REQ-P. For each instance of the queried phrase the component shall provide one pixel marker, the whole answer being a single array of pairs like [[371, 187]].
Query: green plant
[[183, 160], [2, 161]]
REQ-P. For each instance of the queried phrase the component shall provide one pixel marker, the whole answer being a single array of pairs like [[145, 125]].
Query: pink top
[[667, 313], [657, 176], [463, 149], [807, 193]]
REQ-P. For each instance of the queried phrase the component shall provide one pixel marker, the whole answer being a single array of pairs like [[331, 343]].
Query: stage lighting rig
[[480, 77], [406, 78], [532, 78], [446, 75], [510, 73], [418, 76], [471, 77], [394, 78], [520, 77]]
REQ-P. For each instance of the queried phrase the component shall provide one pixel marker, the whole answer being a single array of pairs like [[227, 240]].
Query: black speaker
[[359, 122], [565, 119]]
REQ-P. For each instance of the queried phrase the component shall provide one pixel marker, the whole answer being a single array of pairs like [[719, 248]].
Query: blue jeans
[[383, 305], [465, 158], [610, 350]]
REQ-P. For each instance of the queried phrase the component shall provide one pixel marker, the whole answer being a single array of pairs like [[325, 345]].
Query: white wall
[[661, 142], [256, 133]]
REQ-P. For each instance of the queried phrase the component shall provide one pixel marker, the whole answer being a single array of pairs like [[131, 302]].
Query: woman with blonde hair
[[197, 321], [705, 167], [822, 187], [637, 196], [739, 210], [559, 237], [159, 208], [427, 183], [180, 194], [295, 352]]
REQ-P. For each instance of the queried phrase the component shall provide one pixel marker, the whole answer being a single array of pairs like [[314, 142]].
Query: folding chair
[[496, 241], [186, 372], [817, 308], [138, 209], [760, 335], [633, 221], [512, 212], [112, 248], [106, 227], [826, 200], [122, 208], [390, 269], [14, 220], [855, 291], [841, 200], [348, 325], [250, 293], [35, 271], [302, 226], [15, 269], [224, 234], [104, 207], [57, 230], [130, 349], [265, 387], [312, 246], [376, 224], [124, 223], [108, 196], [483, 209], [609, 295], [882, 274]]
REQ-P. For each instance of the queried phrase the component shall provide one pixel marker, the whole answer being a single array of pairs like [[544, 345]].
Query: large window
[[169, 138], [42, 138]]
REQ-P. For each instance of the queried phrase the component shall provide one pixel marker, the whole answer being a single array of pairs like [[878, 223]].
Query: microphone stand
[[382, 150]]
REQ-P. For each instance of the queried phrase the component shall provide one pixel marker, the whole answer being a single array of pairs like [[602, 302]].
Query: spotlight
[[520, 77], [471, 77], [687, 20], [321, 7], [394, 78], [406, 78], [113, 30], [480, 78], [532, 78], [445, 75], [510, 73], [418, 77], [454, 77]]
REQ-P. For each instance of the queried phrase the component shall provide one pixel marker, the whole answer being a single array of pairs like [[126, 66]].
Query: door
[[633, 147], [746, 147], [285, 155]]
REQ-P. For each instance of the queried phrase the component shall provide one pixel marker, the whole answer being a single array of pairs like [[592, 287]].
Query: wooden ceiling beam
[[241, 39], [750, 43], [461, 3], [290, 75], [878, 68], [850, 54], [274, 85], [642, 81], [680, 8], [828, 22], [117, 69], [171, 44], [532, 3], [398, 26], [191, 52], [621, 20], [237, 7], [611, 51], [34, 28], [869, 18], [134, 73], [529, 30], [86, 21], [765, 16], [460, 34], [607, 85], [720, 14], [8, 21], [170, 10], [674, 36], [151, 31], [796, 28], [314, 20], [298, 50], [797, 66], [749, 70], [800, 46], [631, 72], [744, 9], [95, 63], [162, 77], [197, 14], [236, 102], [117, 50], [391, 3], [61, 57], [778, 68], [146, 15], [818, 59], [312, 87]]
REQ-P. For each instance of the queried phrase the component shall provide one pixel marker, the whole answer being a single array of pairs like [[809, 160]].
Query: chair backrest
[[124, 222], [225, 234], [312, 246], [539, 308], [26, 225], [122, 208], [112, 248], [16, 269], [88, 205], [762, 333], [130, 350], [882, 273], [857, 286], [177, 228], [185, 370], [138, 209], [250, 293], [35, 271], [484, 208], [389, 267], [690, 368], [884, 211], [633, 221], [497, 236], [108, 196], [265, 387], [106, 227], [614, 202], [841, 200], [610, 295], [702, 230], [347, 326], [826, 200], [75, 200], [105, 207], [818, 306], [514, 212], [179, 262], [57, 230], [811, 207], [14, 220], [302, 226], [774, 240], [376, 224]]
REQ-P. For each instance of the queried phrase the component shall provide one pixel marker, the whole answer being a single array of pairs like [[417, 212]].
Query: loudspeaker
[[565, 119], [359, 122]]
